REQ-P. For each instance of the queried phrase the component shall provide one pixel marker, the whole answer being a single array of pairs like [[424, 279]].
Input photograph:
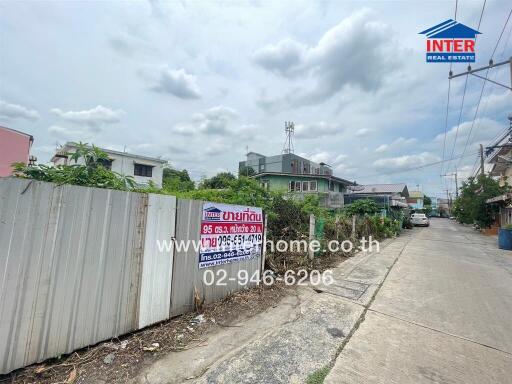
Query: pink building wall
[[14, 147]]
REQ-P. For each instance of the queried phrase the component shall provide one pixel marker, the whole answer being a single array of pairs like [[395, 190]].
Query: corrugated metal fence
[[80, 265]]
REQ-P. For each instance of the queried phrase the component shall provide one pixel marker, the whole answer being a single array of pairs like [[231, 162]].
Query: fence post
[[264, 248], [311, 253], [353, 234]]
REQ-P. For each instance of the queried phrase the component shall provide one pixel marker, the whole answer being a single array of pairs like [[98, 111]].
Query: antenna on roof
[[289, 128]]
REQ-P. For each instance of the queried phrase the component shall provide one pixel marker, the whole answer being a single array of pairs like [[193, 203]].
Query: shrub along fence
[[79, 265]]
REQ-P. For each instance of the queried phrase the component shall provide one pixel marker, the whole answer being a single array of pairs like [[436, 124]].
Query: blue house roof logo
[[450, 41], [212, 214]]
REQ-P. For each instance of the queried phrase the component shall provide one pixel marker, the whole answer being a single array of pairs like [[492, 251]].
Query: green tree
[[470, 207], [362, 207], [427, 201], [220, 181], [246, 171], [174, 180]]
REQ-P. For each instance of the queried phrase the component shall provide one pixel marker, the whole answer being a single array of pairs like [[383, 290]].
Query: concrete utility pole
[[482, 171], [456, 182]]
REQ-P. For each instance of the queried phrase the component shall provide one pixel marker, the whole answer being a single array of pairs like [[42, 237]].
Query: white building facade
[[142, 168]]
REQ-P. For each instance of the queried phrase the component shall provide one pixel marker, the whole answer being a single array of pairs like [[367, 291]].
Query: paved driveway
[[442, 315]]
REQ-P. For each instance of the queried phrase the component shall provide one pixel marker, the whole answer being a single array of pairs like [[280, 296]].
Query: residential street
[[433, 306], [442, 314]]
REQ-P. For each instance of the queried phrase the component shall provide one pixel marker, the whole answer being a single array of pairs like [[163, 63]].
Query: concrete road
[[443, 314]]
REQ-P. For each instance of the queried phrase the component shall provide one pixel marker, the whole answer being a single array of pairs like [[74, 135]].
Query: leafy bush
[[362, 207], [220, 181], [174, 180], [91, 174]]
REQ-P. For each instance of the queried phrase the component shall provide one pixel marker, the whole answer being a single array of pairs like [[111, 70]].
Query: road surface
[[442, 315]]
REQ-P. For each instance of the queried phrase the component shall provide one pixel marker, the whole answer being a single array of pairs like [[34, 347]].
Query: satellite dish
[[355, 188]]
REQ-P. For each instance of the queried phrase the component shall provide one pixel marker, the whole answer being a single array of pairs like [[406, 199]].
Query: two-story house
[[142, 168], [297, 176]]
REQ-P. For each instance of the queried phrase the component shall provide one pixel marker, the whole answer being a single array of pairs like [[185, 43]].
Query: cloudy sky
[[199, 82]]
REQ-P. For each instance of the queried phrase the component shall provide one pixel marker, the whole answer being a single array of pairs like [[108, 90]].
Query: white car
[[420, 219]]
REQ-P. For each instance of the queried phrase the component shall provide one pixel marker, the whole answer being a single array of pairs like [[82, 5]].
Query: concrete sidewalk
[[291, 342], [443, 315]]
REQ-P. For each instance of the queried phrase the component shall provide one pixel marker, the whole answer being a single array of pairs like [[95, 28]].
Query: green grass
[[318, 376]]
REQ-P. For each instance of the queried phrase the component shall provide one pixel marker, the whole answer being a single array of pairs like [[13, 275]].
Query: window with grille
[[143, 170]]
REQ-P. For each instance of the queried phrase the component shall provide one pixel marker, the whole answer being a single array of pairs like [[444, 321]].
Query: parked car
[[418, 219]]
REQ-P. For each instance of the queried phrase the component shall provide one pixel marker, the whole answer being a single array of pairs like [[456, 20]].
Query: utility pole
[[481, 160], [456, 182]]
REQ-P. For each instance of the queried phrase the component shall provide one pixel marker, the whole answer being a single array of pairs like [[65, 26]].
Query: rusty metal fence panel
[[69, 268], [186, 274]]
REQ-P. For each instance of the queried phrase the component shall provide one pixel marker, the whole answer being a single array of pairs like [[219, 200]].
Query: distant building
[[296, 175], [415, 199], [14, 148], [142, 168], [387, 196], [442, 206]]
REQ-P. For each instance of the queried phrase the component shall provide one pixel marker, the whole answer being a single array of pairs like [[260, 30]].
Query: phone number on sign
[[243, 278]]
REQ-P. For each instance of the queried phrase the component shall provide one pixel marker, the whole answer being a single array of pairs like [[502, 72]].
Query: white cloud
[[84, 133], [496, 102], [93, 117], [397, 144], [406, 161], [316, 130], [177, 82], [284, 58], [325, 157], [354, 53], [361, 132], [214, 121], [484, 130], [16, 111]]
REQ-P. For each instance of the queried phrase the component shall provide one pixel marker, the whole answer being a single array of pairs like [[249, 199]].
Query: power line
[[460, 116], [485, 80], [501, 34], [446, 118], [448, 101], [415, 168]]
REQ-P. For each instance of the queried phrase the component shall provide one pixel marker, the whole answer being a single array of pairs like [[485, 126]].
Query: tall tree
[[470, 207], [221, 180], [174, 180]]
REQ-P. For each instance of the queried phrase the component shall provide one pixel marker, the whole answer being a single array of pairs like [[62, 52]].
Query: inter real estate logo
[[450, 42]]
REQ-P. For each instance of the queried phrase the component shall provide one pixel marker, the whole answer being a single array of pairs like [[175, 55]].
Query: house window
[[298, 186], [142, 170], [264, 184], [331, 186], [291, 186], [312, 186], [305, 186]]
